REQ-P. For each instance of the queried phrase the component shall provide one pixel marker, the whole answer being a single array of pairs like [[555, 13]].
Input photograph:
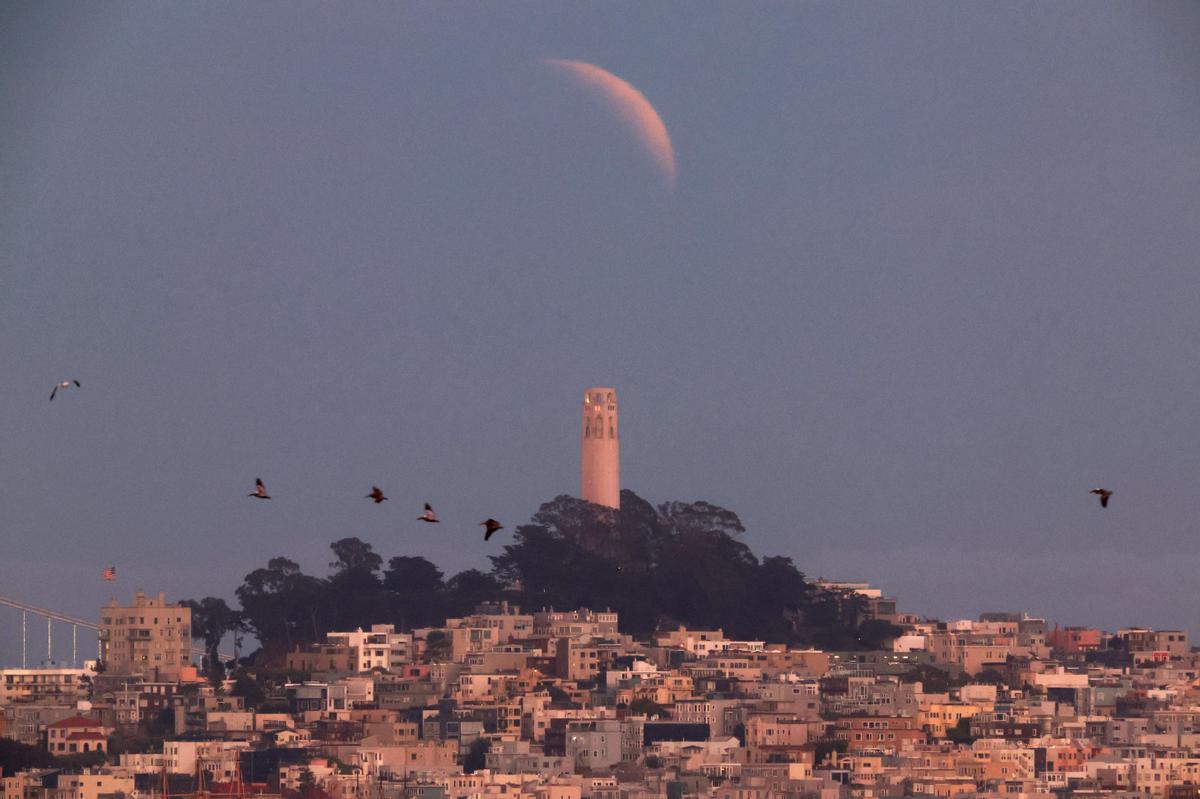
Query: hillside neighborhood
[[561, 704]]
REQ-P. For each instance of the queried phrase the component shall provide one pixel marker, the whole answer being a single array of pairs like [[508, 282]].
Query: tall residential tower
[[600, 448], [149, 637]]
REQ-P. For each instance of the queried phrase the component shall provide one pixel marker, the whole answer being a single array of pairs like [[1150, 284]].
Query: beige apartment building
[[149, 637], [93, 784], [581, 623], [938, 718], [1156, 645]]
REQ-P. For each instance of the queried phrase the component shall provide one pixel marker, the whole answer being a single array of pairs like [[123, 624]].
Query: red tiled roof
[[77, 721]]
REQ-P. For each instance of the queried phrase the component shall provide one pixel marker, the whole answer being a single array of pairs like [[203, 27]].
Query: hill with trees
[[677, 563]]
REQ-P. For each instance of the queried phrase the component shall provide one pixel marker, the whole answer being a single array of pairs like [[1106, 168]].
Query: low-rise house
[[77, 735]]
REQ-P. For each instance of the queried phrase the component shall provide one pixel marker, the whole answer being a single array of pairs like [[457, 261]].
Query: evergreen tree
[[417, 591], [356, 585], [212, 620]]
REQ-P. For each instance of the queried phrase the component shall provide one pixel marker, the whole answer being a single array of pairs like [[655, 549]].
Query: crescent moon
[[633, 107]]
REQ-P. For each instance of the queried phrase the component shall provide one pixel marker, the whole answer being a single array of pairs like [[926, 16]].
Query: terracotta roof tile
[[77, 721]]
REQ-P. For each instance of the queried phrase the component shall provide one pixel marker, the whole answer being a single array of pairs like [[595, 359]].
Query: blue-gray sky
[[928, 275]]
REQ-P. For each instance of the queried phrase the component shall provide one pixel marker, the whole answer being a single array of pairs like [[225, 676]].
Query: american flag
[[110, 573]]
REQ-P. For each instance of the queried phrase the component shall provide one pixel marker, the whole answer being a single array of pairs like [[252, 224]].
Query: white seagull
[[63, 384]]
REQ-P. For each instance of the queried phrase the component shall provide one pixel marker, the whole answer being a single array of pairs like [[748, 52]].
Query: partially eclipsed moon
[[633, 107]]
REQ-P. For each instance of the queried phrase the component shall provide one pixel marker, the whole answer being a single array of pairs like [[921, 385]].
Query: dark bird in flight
[[492, 526], [63, 384], [428, 515], [260, 490], [1104, 494], [376, 494]]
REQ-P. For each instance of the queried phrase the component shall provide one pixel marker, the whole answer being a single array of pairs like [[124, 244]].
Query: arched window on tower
[[587, 429], [612, 428], [610, 397], [599, 427]]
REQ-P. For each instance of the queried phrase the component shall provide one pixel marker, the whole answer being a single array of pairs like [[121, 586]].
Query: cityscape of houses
[[555, 704]]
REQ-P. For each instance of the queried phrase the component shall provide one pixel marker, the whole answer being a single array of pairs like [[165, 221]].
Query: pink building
[[1074, 639]]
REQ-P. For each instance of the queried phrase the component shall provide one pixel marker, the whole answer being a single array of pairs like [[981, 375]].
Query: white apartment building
[[219, 759], [381, 647]]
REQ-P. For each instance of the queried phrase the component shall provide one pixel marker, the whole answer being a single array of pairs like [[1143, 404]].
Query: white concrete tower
[[600, 448]]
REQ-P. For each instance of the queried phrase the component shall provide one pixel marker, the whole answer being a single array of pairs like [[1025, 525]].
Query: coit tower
[[600, 448]]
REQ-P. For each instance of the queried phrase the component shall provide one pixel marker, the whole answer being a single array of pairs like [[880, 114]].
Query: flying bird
[[260, 490], [428, 515], [63, 384], [109, 573], [1104, 494], [376, 494], [492, 526]]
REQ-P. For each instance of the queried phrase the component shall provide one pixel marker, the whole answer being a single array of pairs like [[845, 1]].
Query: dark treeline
[[678, 563]]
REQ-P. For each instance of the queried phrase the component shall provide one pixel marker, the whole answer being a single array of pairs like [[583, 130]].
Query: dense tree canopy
[[16, 756], [212, 619], [283, 606], [675, 563], [418, 588]]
